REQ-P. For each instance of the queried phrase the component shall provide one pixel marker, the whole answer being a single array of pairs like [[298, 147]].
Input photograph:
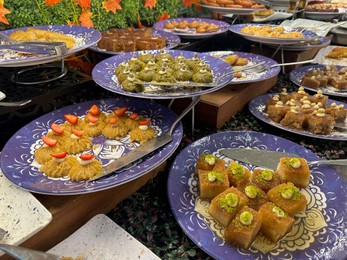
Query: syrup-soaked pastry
[[142, 133]]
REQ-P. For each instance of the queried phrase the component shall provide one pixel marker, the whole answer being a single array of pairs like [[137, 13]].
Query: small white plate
[[21, 214], [101, 238], [321, 59], [2, 95]]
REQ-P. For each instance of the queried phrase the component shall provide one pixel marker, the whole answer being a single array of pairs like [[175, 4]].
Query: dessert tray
[[317, 233], [296, 76], [273, 17], [21, 214], [101, 238], [322, 59], [249, 76], [316, 42], [191, 32], [256, 107], [84, 38], [237, 11], [172, 41], [324, 16], [19, 166], [103, 74], [237, 28]]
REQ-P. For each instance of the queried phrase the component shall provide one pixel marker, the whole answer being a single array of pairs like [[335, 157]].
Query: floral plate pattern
[[19, 166], [172, 41], [223, 27], [84, 37], [103, 74], [319, 233], [256, 107], [248, 76], [237, 28], [296, 76]]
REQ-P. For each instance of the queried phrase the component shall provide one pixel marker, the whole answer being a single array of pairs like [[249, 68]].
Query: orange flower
[[150, 3], [52, 2], [3, 12], [112, 5], [85, 19], [164, 16]]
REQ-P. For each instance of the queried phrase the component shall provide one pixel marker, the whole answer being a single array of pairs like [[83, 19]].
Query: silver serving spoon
[[22, 253]]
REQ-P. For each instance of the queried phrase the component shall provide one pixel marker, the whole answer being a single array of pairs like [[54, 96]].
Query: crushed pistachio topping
[[278, 211], [246, 218], [210, 159], [251, 191], [267, 175], [213, 176], [229, 202], [295, 163], [290, 192], [237, 170]]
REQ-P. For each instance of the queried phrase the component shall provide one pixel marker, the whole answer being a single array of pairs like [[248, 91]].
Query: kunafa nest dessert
[[60, 155], [261, 201]]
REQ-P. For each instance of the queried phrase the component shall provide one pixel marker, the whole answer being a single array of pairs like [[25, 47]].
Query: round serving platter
[[103, 74], [317, 234], [172, 41], [237, 11], [84, 37], [249, 76], [256, 107], [19, 166], [190, 33], [237, 28], [296, 76], [319, 42]]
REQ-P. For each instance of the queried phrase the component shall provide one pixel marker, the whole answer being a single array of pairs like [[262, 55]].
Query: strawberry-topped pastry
[[114, 129], [119, 113], [58, 166], [58, 132], [133, 120], [49, 146], [95, 112], [77, 142], [93, 125], [73, 121], [85, 168], [143, 132]]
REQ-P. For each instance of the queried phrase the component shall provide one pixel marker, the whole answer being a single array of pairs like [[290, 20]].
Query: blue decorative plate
[[84, 38], [247, 76], [103, 75], [324, 41], [172, 40], [17, 157], [236, 28], [256, 107], [296, 76], [191, 33], [319, 233]]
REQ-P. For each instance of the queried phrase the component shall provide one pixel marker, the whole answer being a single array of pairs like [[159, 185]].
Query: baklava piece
[[320, 123], [339, 112], [294, 119], [294, 170], [212, 183], [265, 179], [209, 162], [237, 174], [278, 111], [256, 196]]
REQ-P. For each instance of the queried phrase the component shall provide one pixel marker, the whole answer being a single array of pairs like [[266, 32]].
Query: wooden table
[[71, 212]]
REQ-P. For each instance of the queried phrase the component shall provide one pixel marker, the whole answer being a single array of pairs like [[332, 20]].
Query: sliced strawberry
[[77, 132], [87, 156], [134, 116], [113, 121], [49, 141], [145, 122], [94, 110], [58, 129], [72, 119], [92, 119], [120, 111], [59, 155]]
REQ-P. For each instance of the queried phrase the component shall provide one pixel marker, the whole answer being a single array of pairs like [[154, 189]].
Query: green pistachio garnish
[[290, 192], [278, 211], [295, 163], [214, 176], [238, 170], [246, 218], [267, 175], [251, 191], [210, 159], [229, 202]]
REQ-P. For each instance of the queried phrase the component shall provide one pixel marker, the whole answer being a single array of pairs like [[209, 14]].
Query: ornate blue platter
[[296, 76], [248, 76], [256, 107], [237, 28], [19, 166], [103, 74], [191, 33], [84, 38], [319, 233], [172, 41]]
